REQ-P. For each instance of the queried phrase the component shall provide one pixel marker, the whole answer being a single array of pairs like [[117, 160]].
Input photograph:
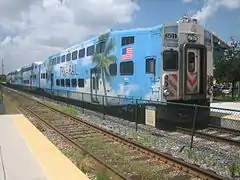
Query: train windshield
[[170, 60]]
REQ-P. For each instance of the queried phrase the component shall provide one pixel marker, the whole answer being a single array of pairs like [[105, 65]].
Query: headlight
[[192, 37], [165, 92]]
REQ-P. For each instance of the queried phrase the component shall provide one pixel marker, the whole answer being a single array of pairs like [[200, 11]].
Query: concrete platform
[[26, 154], [226, 110]]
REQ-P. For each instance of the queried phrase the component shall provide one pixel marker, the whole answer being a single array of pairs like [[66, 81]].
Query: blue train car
[[36, 75], [166, 63]]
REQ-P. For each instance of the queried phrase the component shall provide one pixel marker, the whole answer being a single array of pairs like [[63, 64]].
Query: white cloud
[[30, 30], [211, 7]]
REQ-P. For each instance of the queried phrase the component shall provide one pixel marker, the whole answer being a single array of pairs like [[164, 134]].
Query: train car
[[36, 75], [26, 75], [170, 63]]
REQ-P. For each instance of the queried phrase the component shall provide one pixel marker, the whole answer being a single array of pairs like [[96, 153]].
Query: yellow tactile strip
[[55, 165]]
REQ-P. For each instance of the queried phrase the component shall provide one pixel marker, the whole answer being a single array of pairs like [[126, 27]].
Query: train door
[[193, 70], [52, 81], [94, 84]]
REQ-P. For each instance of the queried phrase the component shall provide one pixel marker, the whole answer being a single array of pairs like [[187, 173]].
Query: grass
[[68, 110], [234, 169]]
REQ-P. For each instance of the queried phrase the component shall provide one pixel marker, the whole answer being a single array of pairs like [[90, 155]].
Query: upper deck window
[[58, 60], [74, 55], [81, 53], [68, 56], [100, 47], [170, 60], [127, 40], [63, 58], [90, 50]]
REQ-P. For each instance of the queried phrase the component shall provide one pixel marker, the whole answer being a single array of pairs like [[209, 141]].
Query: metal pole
[[136, 115], [193, 128], [2, 67]]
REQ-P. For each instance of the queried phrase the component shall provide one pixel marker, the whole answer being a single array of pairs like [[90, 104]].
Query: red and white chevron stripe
[[173, 84], [192, 84]]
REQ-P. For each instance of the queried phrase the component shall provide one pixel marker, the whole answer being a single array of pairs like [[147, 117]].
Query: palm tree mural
[[103, 60]]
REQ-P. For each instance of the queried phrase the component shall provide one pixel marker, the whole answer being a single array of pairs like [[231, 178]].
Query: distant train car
[[36, 75], [167, 63]]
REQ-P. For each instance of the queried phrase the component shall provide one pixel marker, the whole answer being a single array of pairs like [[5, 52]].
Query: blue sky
[[225, 22]]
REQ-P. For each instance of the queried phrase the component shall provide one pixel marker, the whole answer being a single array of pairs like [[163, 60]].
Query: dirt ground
[[9, 103]]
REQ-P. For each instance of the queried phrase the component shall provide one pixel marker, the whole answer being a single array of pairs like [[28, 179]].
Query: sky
[[31, 30]]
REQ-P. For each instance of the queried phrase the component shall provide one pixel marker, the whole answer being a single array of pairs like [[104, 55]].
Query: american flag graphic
[[127, 53]]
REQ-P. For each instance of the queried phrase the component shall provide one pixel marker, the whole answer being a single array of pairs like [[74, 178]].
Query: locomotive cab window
[[113, 69], [150, 66], [126, 68], [191, 61], [170, 60]]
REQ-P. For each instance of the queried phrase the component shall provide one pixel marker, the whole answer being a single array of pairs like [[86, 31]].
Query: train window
[[67, 82], [90, 50], [81, 53], [68, 56], [191, 61], [127, 40], [54, 61], [80, 82], [74, 55], [126, 68], [74, 82], [58, 60], [170, 60], [150, 66], [43, 75], [100, 47], [46, 75], [63, 58], [58, 82], [113, 69], [62, 82]]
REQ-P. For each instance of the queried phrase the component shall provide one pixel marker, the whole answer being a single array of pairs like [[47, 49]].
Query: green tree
[[227, 69], [103, 60]]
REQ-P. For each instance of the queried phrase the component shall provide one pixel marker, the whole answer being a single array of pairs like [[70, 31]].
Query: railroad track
[[81, 133], [215, 133]]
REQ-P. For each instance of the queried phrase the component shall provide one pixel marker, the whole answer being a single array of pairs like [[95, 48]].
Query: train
[[165, 67]]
